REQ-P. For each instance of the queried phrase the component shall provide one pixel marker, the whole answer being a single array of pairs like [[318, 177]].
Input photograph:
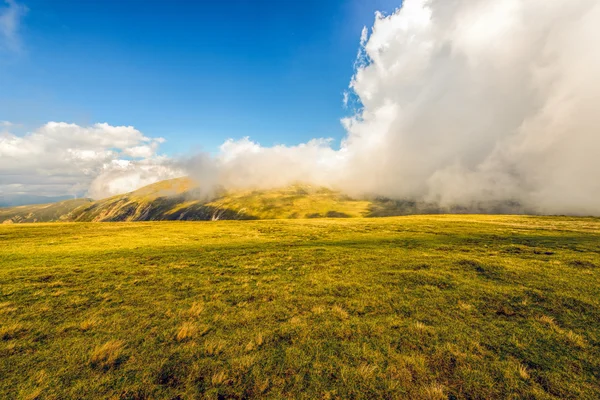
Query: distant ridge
[[60, 211], [14, 200], [180, 199]]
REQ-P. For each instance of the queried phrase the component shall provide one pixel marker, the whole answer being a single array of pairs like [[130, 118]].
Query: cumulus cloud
[[11, 14], [98, 160], [463, 102], [476, 101]]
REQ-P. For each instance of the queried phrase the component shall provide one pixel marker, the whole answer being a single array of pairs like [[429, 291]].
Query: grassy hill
[[14, 200], [297, 201], [180, 199], [172, 199], [61, 211], [420, 307]]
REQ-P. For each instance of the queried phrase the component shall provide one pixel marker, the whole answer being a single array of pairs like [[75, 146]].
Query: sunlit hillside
[[183, 199], [60, 211]]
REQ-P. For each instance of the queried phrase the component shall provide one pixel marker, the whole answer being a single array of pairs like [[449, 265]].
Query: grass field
[[423, 307]]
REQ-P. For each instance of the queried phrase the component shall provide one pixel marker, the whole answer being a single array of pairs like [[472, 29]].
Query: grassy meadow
[[419, 307]]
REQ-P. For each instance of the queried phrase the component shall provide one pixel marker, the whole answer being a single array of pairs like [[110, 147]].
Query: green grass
[[422, 307], [296, 201]]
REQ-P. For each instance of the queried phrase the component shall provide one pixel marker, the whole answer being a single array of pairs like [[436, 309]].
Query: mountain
[[182, 199], [60, 211], [14, 200]]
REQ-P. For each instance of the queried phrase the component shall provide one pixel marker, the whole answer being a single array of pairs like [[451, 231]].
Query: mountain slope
[[166, 200], [15, 200], [179, 199], [297, 201], [61, 211]]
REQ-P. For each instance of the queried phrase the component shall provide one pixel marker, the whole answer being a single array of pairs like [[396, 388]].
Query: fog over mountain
[[463, 102]]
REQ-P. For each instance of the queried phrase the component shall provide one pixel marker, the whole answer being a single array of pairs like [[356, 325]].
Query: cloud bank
[[464, 102], [461, 102], [98, 161]]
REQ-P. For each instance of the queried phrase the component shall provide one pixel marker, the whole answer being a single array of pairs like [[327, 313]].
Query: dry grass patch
[[570, 336], [109, 355], [575, 339], [255, 343], [435, 391], [196, 309], [420, 327], [339, 312], [214, 347], [366, 371], [219, 378], [88, 324], [523, 372], [36, 394], [186, 331], [318, 310]]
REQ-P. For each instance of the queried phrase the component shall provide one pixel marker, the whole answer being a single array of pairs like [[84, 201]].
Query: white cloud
[[244, 163], [10, 20], [474, 101], [464, 101], [120, 176], [61, 158]]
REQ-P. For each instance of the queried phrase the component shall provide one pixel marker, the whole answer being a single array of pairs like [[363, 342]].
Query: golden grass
[[435, 391], [89, 324], [366, 371], [219, 378], [108, 355], [214, 347], [186, 331], [523, 372], [11, 331], [36, 394], [196, 309], [486, 307], [575, 339], [569, 336], [339, 312]]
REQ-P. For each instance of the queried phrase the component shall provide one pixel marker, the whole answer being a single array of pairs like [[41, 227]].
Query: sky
[[193, 73], [483, 105]]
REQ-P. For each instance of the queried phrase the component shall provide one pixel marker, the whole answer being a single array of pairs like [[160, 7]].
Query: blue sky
[[195, 73]]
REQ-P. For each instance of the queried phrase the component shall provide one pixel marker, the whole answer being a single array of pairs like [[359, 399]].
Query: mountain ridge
[[16, 200], [179, 199], [182, 199]]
